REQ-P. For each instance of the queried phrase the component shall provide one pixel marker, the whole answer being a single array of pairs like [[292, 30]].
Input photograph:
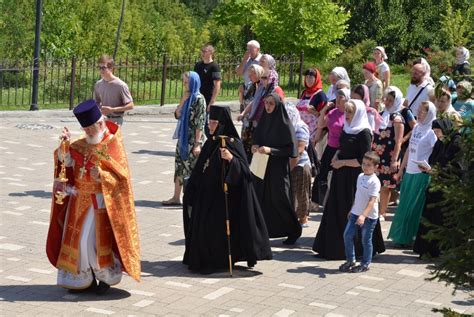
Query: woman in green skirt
[[412, 194]]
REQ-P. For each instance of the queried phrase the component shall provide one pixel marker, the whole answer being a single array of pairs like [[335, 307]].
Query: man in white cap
[[251, 56]]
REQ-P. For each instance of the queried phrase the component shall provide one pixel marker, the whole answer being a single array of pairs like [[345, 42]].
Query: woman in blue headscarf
[[190, 113]]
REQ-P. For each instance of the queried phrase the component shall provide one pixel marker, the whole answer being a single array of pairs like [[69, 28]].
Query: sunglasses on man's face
[[103, 67]]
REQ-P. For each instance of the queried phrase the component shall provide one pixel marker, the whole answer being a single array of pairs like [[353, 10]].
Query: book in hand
[[258, 166], [423, 163]]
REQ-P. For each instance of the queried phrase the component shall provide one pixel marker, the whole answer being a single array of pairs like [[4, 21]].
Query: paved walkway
[[294, 283]]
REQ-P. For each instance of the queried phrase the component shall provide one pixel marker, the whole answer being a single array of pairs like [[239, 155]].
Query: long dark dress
[[204, 208], [329, 242], [442, 154], [274, 192]]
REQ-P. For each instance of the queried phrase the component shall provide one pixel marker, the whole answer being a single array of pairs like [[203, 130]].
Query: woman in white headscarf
[[336, 74], [462, 66], [427, 66], [383, 69], [355, 141], [412, 194], [388, 144]]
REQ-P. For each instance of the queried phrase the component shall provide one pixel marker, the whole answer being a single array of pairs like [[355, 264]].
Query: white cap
[[254, 44]]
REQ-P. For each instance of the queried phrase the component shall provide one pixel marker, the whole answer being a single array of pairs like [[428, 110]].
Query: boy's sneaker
[[359, 269], [346, 266]]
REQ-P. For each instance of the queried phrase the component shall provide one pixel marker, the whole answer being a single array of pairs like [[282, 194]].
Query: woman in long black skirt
[[355, 141]]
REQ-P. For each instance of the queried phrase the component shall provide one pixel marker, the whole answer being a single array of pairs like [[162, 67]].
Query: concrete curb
[[146, 110]]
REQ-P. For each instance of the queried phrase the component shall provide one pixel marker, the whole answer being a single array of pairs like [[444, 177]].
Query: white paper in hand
[[258, 166], [422, 163]]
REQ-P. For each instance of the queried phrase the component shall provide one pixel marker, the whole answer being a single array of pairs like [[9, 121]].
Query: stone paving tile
[[284, 286]]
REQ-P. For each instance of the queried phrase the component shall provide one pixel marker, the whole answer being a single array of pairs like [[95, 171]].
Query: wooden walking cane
[[227, 220]]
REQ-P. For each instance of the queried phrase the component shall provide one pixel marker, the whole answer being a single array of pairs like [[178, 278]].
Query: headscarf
[[226, 126], [427, 66], [424, 126], [260, 94], [318, 84], [464, 58], [397, 105], [466, 90], [194, 86], [275, 129], [382, 50], [345, 91], [272, 67], [360, 121], [341, 73]]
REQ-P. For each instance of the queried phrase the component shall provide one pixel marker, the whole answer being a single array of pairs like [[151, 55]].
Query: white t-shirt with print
[[413, 91], [420, 148], [368, 186]]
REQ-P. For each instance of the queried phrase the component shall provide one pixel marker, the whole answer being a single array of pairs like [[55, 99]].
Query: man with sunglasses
[[111, 93]]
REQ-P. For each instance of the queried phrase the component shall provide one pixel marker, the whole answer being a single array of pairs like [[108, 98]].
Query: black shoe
[[359, 269], [91, 288], [102, 288], [251, 264], [290, 240], [346, 266]]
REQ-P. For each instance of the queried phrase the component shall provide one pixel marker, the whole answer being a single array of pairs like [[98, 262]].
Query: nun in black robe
[[204, 206], [443, 153], [276, 133]]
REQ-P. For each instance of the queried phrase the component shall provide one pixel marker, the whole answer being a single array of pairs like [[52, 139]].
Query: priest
[[222, 164], [93, 233]]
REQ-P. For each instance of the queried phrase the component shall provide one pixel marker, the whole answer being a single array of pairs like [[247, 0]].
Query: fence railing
[[68, 82]]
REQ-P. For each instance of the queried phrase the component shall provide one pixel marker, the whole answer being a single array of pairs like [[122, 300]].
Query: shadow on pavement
[[177, 242], [35, 293], [34, 193], [177, 268], [158, 153], [314, 270], [156, 204]]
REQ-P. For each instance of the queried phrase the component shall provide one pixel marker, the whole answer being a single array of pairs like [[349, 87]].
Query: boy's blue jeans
[[349, 233]]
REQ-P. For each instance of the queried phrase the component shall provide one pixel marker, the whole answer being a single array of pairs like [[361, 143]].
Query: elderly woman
[[382, 67], [255, 73], [191, 118], [355, 141], [412, 194], [275, 137], [336, 74], [268, 63]]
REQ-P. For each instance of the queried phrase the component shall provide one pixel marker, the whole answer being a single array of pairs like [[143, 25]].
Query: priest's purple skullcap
[[87, 113]]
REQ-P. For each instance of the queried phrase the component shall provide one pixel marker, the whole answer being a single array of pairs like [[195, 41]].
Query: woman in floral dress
[[388, 144]]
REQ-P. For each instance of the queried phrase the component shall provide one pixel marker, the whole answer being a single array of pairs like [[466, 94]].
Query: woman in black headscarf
[[204, 208], [444, 151], [275, 136]]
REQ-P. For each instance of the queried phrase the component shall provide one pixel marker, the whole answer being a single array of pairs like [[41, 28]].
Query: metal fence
[[68, 82]]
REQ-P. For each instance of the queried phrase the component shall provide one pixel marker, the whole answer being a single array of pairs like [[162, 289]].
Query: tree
[[288, 26], [456, 235]]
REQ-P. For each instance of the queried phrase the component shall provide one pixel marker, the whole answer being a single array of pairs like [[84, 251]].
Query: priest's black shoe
[[91, 288], [102, 288], [290, 240]]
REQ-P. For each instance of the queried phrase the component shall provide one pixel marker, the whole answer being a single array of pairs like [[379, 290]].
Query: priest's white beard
[[96, 138]]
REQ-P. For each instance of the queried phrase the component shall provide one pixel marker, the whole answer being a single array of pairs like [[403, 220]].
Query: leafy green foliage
[[288, 26], [456, 235]]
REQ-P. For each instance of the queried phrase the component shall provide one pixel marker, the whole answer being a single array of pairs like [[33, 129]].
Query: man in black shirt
[[210, 74]]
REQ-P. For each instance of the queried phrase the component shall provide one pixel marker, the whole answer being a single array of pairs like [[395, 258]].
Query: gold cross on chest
[[82, 171]]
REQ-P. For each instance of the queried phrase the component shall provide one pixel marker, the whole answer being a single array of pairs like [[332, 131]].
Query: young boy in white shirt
[[364, 213]]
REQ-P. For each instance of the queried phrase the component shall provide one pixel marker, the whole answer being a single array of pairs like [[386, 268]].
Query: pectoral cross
[[82, 171], [206, 165]]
